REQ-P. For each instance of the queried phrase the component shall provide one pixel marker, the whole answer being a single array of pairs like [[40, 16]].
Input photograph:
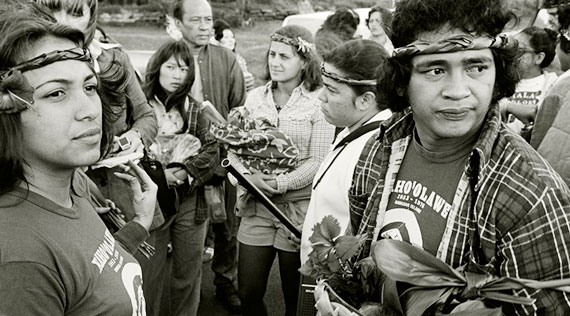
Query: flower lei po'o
[[302, 45]]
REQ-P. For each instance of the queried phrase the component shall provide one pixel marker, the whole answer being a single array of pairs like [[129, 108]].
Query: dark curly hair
[[415, 17], [542, 40], [343, 22], [564, 22]]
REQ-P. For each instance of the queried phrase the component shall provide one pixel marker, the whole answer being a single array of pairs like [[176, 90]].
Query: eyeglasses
[[196, 20], [76, 53], [525, 50]]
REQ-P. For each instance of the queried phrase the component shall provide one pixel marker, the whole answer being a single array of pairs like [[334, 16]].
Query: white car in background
[[313, 21]]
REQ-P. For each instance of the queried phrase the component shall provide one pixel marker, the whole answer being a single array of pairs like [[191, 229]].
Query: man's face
[[197, 22], [450, 93]]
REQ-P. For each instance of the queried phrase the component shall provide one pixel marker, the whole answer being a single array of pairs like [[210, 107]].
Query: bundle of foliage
[[334, 260]]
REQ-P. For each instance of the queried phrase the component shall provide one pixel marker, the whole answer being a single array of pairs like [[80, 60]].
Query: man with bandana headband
[[444, 173]]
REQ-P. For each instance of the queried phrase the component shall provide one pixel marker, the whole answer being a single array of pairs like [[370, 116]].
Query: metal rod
[[261, 197]]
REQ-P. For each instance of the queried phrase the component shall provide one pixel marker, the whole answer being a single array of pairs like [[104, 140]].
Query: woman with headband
[[58, 258], [537, 50], [135, 125], [289, 101], [349, 101]]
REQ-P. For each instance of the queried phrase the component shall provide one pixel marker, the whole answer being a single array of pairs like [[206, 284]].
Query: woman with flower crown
[[289, 101], [57, 256]]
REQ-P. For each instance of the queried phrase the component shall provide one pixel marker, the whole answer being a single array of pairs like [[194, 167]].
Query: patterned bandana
[[16, 92], [453, 44], [341, 79], [301, 44]]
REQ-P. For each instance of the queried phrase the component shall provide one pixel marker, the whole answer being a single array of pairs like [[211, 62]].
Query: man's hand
[[175, 176], [144, 192]]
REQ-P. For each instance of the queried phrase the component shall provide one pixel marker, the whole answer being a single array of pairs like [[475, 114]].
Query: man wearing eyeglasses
[[218, 79]]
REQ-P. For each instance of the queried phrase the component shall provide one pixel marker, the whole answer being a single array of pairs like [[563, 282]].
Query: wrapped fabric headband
[[341, 79], [16, 92], [301, 44], [453, 44]]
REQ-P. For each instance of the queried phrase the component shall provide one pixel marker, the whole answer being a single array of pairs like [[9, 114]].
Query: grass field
[[252, 41]]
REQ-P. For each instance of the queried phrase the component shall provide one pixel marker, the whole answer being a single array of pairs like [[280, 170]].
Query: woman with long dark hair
[[168, 79], [58, 258]]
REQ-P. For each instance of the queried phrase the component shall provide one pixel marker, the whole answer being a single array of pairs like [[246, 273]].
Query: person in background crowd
[[168, 79], [218, 79], [348, 101], [550, 135], [58, 258], [537, 49], [380, 23], [337, 28], [136, 122], [224, 36], [501, 211], [289, 101]]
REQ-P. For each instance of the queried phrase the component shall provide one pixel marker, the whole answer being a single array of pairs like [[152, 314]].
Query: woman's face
[[285, 64], [63, 129], [529, 62], [75, 17], [228, 40], [172, 74], [375, 24]]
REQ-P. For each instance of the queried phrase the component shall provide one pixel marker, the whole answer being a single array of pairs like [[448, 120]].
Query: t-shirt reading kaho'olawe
[[63, 261], [422, 196]]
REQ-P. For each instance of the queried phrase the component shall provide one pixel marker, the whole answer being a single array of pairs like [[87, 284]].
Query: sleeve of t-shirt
[[29, 288]]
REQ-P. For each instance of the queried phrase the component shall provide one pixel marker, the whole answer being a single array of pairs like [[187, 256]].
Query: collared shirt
[[302, 120], [510, 215], [330, 194]]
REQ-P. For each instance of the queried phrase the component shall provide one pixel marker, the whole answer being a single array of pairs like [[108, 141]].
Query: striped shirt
[[302, 120], [510, 215]]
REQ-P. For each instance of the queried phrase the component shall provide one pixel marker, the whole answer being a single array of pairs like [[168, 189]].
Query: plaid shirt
[[201, 167], [510, 215], [302, 120]]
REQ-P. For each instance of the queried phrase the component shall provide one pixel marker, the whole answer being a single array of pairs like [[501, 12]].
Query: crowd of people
[[438, 130]]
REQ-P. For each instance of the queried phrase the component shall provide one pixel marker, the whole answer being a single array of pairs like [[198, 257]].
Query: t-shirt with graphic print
[[423, 194], [529, 91], [56, 260]]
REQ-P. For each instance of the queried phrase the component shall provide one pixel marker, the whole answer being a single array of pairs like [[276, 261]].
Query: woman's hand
[[262, 181], [135, 144], [144, 192], [175, 176], [524, 112], [294, 240]]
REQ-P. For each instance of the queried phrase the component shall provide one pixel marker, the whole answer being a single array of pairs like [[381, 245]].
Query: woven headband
[[301, 44], [341, 79], [453, 44], [16, 92]]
